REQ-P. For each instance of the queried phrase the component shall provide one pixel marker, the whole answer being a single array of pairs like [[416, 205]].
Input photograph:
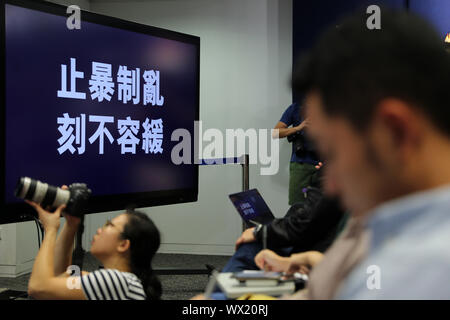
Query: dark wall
[[435, 11], [311, 18]]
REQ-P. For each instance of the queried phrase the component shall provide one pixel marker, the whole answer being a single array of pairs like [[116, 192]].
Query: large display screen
[[96, 105]]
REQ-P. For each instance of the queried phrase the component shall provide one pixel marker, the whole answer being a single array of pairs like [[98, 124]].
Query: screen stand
[[78, 252], [244, 162]]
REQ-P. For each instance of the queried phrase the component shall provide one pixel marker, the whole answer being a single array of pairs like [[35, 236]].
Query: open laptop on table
[[252, 207]]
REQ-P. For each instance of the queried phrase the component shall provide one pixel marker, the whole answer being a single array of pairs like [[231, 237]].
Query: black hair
[[144, 239], [353, 68], [447, 46]]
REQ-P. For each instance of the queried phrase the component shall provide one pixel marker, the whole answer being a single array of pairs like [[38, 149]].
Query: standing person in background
[[302, 172]]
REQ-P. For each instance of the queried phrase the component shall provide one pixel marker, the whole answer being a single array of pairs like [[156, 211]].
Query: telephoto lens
[[75, 198]]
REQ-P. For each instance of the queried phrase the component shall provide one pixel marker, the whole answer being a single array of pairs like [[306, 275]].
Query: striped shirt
[[111, 284]]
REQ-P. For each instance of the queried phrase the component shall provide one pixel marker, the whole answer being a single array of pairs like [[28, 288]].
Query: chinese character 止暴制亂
[[151, 88], [101, 84], [74, 75], [129, 83]]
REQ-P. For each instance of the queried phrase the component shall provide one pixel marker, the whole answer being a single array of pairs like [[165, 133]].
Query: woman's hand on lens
[[49, 220], [72, 222]]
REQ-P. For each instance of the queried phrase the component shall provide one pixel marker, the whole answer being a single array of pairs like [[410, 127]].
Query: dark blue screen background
[[435, 11], [37, 43]]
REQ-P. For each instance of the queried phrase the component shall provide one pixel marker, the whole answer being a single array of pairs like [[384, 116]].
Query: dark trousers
[[301, 175], [244, 257]]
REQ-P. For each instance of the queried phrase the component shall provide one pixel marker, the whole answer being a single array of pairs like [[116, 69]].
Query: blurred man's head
[[378, 107], [447, 46]]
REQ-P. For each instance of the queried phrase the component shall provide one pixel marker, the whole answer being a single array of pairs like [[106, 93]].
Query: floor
[[175, 287]]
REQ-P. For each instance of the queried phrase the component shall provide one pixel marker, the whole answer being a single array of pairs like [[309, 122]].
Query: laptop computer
[[251, 206]]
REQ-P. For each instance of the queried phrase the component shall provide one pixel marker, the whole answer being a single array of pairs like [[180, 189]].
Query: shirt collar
[[394, 213]]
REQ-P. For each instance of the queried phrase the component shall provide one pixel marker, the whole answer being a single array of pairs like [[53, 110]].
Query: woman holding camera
[[125, 246]]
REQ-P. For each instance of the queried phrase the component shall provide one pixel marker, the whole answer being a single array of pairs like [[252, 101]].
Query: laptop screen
[[251, 206]]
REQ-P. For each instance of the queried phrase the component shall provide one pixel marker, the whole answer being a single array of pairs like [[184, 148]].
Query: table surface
[[234, 289]]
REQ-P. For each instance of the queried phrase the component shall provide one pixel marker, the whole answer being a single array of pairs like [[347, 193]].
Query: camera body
[[302, 145], [298, 141], [75, 198]]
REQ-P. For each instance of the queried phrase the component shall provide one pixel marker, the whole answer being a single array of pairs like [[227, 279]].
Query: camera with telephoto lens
[[75, 198]]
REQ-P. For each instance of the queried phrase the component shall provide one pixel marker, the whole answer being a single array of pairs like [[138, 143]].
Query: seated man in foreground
[[377, 101]]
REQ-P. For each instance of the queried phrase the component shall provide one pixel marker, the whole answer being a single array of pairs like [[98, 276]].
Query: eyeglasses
[[108, 223]]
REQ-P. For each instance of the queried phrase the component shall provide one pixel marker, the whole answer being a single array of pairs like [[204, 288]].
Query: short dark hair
[[353, 68], [447, 46]]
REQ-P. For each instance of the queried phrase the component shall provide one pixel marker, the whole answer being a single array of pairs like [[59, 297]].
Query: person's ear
[[124, 245], [330, 184], [401, 125]]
